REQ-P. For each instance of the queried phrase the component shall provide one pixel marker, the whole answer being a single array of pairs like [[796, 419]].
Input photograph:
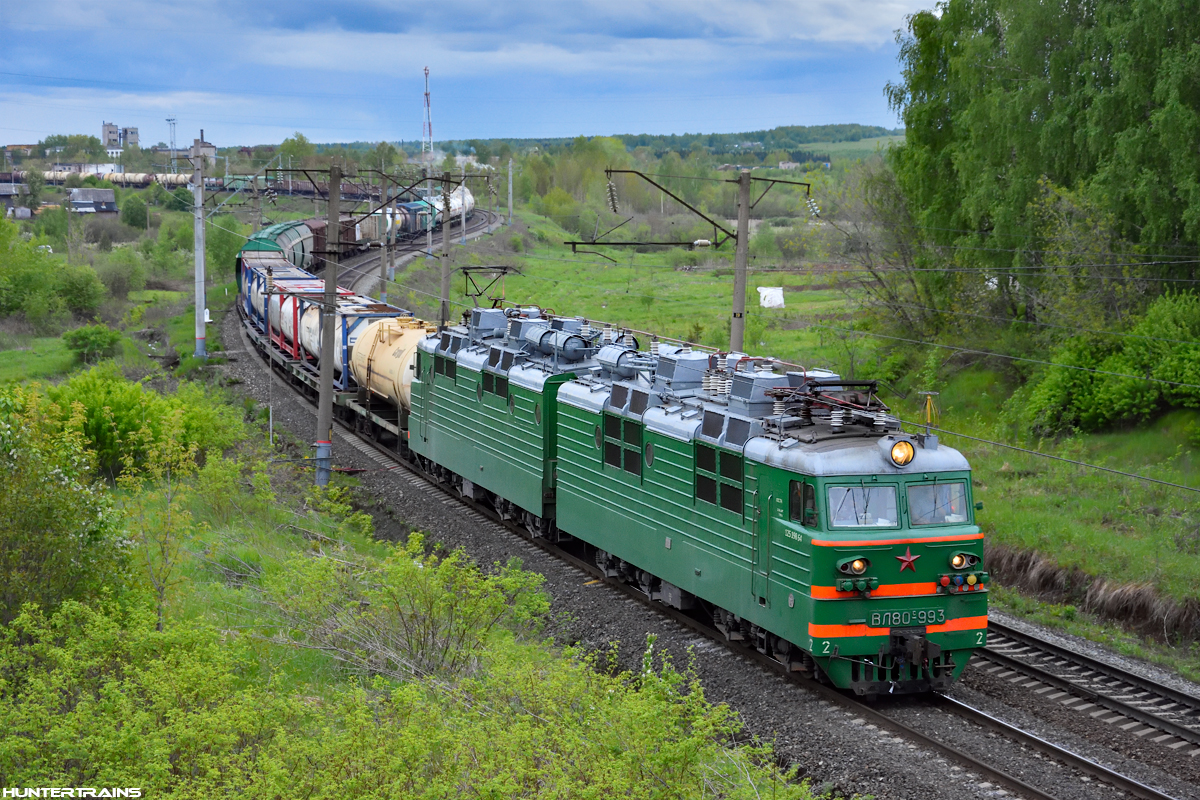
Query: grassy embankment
[[299, 648]]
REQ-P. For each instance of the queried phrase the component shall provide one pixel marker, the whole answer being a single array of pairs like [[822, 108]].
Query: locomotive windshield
[[937, 503], [863, 507]]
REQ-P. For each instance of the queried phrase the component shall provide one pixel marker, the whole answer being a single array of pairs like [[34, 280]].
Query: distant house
[[21, 149], [789, 165], [10, 193], [94, 201]]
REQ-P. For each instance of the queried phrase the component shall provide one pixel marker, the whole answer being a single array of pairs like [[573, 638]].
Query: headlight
[[902, 453], [853, 566], [963, 560]]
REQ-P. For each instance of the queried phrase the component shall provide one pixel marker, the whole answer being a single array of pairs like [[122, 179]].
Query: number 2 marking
[[826, 650], [979, 638]]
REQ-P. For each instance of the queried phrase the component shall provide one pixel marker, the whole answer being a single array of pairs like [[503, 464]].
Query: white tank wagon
[[353, 316], [128, 178], [173, 179], [383, 358], [459, 198]]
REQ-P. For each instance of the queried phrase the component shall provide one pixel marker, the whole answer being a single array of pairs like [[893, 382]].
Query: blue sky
[[254, 71]]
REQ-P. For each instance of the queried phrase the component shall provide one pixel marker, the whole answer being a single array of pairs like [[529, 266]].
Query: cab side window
[[802, 503]]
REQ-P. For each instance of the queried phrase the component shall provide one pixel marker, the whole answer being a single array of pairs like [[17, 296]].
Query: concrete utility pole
[[391, 250], [737, 324], [383, 240], [255, 204], [464, 206], [432, 215], [333, 232], [385, 258], [198, 194], [509, 220], [444, 312]]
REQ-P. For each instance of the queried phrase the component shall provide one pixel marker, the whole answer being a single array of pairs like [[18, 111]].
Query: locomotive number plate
[[924, 616]]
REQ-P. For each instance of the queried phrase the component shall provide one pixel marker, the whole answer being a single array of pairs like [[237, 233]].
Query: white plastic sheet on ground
[[770, 296]]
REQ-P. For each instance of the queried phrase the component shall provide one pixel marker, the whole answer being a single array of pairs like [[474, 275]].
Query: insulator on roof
[[837, 419]]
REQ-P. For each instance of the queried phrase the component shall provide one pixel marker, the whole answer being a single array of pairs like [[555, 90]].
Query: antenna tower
[[171, 122], [427, 126]]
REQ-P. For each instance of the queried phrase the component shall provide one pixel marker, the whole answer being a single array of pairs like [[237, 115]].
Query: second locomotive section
[[789, 505]]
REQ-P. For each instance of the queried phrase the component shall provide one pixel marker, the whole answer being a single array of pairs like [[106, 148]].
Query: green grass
[[43, 358], [157, 297], [181, 328], [241, 532]]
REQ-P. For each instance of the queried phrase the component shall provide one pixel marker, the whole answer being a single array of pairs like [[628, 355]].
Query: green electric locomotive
[[787, 504]]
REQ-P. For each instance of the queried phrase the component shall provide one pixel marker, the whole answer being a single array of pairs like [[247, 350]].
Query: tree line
[[1048, 186]]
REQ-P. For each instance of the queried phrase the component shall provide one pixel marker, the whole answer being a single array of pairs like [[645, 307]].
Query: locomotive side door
[[759, 502], [424, 363]]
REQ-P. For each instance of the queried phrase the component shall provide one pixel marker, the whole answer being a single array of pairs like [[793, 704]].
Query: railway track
[[863, 714], [1109, 694]]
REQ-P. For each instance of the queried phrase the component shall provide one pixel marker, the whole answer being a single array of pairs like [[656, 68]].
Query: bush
[[122, 420], [59, 535], [116, 230], [180, 200], [1079, 394], [222, 240], [133, 212], [45, 313], [122, 272], [92, 342], [792, 245], [80, 289]]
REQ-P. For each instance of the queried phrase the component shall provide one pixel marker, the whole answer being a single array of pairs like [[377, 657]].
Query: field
[[850, 151]]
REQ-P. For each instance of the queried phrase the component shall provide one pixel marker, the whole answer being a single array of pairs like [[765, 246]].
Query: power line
[[1002, 355], [852, 270], [1044, 324], [1059, 458]]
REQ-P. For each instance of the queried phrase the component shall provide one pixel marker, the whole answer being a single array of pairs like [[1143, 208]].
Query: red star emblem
[[907, 560]]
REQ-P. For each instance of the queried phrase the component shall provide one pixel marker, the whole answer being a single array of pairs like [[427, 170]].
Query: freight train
[[298, 242], [786, 504]]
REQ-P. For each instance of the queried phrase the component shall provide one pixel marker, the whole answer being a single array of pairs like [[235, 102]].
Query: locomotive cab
[[896, 594]]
